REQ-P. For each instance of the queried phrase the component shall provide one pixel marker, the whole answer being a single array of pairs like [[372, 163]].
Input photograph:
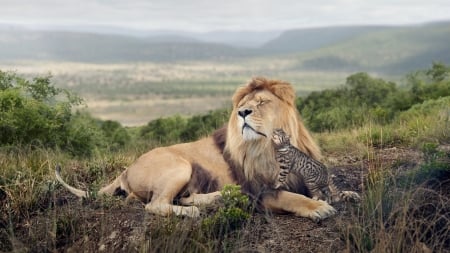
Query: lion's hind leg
[[167, 188], [161, 205], [166, 209], [201, 199], [111, 188]]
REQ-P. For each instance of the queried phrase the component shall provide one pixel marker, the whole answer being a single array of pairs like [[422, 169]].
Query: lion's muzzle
[[248, 130]]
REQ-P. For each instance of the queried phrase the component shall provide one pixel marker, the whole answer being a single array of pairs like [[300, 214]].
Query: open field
[[134, 112], [134, 93], [64, 223]]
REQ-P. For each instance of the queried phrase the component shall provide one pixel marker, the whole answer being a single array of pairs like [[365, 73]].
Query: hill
[[393, 50], [382, 49], [89, 47], [303, 40]]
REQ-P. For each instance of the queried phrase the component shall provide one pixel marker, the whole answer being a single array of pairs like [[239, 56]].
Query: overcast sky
[[206, 15]]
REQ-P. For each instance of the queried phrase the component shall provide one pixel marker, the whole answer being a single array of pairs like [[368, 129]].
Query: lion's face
[[258, 108], [256, 115]]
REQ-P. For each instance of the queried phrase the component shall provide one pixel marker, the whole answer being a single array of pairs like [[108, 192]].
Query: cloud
[[204, 15]]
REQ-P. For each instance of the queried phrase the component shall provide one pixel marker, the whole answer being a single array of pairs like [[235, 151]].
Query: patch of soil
[[75, 226], [286, 233]]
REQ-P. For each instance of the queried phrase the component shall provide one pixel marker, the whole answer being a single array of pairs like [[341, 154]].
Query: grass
[[424, 123], [31, 208], [401, 211]]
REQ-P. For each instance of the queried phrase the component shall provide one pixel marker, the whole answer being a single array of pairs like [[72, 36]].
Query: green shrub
[[233, 215], [365, 99], [84, 135], [202, 125], [429, 84], [436, 166], [117, 136], [402, 210], [361, 100], [164, 130], [176, 128], [35, 112], [425, 122]]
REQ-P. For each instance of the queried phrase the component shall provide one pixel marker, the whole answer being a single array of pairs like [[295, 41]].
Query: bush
[[164, 130], [176, 128], [404, 212], [116, 135], [35, 112], [84, 135], [233, 215], [429, 84], [362, 99], [366, 99], [202, 125]]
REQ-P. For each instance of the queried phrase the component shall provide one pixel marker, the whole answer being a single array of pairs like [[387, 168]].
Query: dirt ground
[[71, 225]]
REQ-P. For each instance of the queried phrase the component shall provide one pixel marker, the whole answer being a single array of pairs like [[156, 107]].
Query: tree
[[438, 72], [33, 111]]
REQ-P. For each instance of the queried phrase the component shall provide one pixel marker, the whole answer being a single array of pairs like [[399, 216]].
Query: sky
[[209, 15]]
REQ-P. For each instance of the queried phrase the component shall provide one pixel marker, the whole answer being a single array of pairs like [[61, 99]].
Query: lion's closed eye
[[263, 102]]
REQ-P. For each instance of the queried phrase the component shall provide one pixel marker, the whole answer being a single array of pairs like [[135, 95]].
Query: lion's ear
[[284, 91]]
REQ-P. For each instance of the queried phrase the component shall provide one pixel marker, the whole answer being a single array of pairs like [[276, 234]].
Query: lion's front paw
[[321, 211], [191, 211]]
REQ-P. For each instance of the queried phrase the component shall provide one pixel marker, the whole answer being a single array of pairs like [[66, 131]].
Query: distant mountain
[[386, 49], [239, 39], [303, 40], [74, 46], [390, 50]]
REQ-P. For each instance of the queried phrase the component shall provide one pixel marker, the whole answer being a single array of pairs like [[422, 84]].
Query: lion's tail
[[77, 192]]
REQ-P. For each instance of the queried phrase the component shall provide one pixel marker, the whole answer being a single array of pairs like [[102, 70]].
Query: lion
[[241, 153]]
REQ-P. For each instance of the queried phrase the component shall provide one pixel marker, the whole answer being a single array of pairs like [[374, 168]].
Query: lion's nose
[[243, 113]]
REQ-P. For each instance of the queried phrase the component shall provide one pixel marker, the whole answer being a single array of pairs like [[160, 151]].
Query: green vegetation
[[176, 128], [233, 214], [30, 111], [36, 113], [364, 99], [403, 212], [401, 209]]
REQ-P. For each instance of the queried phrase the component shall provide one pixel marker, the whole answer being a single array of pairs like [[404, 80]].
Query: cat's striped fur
[[314, 173]]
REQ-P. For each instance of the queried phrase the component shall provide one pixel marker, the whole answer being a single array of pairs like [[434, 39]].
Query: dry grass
[[399, 214], [402, 210], [138, 112]]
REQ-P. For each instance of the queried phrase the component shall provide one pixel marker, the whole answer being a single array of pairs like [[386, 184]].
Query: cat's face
[[280, 138]]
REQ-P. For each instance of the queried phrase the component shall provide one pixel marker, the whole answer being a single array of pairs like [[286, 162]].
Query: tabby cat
[[314, 173]]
